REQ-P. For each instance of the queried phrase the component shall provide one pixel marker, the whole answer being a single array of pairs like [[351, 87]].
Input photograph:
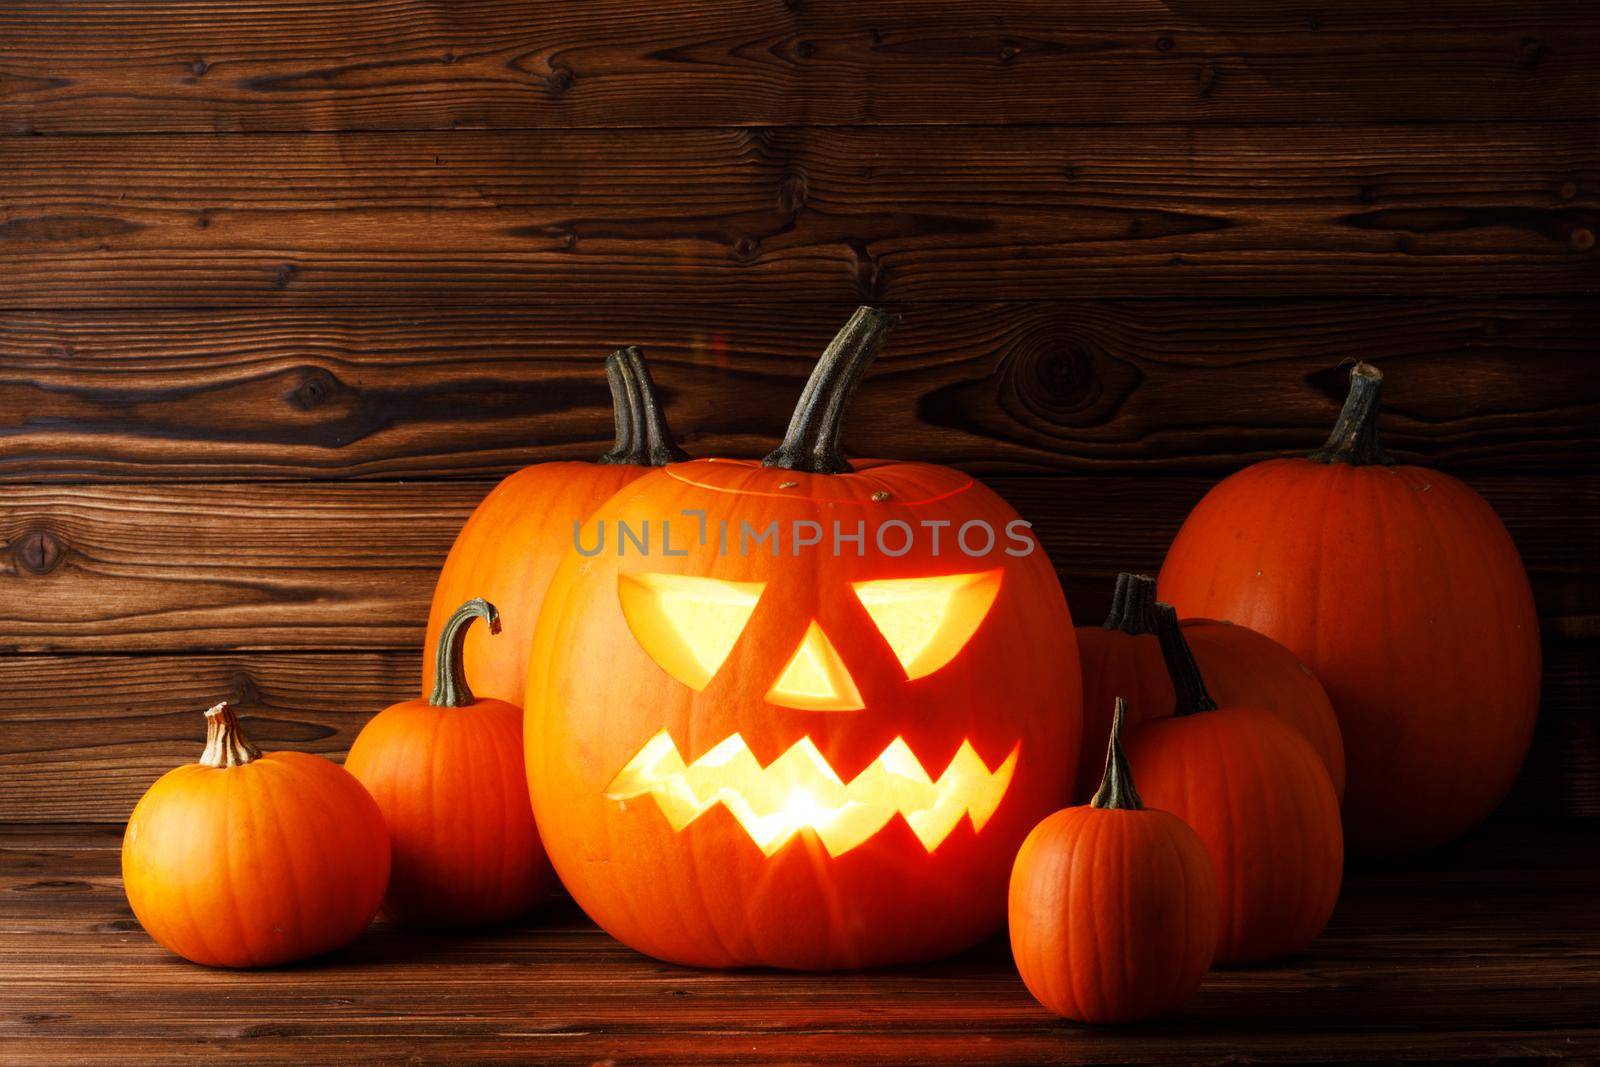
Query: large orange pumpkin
[[250, 860], [447, 772], [1113, 905], [513, 541], [1260, 798], [790, 752], [1241, 667], [1399, 587]]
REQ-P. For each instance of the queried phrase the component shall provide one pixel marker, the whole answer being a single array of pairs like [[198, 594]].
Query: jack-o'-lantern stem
[[1187, 681], [812, 442], [450, 689], [1133, 605], [226, 744], [1355, 436], [1116, 785], [643, 437]]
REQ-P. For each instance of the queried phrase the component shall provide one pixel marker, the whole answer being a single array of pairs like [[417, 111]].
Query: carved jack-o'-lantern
[[800, 713]]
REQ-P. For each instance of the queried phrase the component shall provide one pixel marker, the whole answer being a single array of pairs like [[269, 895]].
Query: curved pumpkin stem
[[1116, 785], [1133, 605], [1355, 436], [643, 437], [1181, 667], [226, 744], [812, 441], [450, 689]]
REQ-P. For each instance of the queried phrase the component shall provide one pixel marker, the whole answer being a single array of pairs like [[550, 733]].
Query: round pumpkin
[[251, 860], [1260, 798], [1400, 588], [1113, 907], [515, 538], [756, 745], [447, 774], [1241, 667]]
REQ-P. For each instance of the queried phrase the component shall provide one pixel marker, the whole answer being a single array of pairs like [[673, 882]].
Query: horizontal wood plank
[[909, 214], [82, 737], [315, 567], [176, 65], [341, 566], [1080, 386], [1485, 951]]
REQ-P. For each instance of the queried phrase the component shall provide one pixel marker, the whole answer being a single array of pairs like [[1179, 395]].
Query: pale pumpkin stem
[[1355, 436], [643, 437], [450, 689], [1133, 605], [812, 441], [226, 744], [1187, 681], [1116, 785]]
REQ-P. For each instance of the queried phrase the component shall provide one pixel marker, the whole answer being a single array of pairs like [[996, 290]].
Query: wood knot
[[315, 387], [558, 81], [747, 248], [38, 551], [1207, 79], [1163, 44], [283, 275], [792, 192], [805, 49], [1567, 190], [1582, 239], [199, 67], [1532, 52]]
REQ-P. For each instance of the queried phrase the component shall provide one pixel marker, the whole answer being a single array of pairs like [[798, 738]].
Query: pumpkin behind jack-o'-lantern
[[746, 749]]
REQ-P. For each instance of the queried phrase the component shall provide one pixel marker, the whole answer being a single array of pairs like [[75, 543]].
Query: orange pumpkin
[[447, 773], [513, 541], [793, 752], [1400, 588], [250, 860], [1260, 798], [1113, 905], [1241, 667]]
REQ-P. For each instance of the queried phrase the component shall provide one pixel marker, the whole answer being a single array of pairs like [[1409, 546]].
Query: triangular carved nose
[[815, 678]]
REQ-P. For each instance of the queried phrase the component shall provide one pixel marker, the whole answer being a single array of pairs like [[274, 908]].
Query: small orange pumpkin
[[250, 860], [512, 542], [1113, 905], [1260, 798], [447, 773], [1241, 667]]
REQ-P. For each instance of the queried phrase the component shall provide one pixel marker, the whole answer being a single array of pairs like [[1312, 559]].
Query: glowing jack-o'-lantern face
[[745, 751], [689, 625]]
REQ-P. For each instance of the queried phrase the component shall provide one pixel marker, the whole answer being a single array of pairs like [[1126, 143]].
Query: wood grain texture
[[82, 737], [177, 572], [909, 214], [146, 568], [1081, 386], [177, 65], [1486, 951]]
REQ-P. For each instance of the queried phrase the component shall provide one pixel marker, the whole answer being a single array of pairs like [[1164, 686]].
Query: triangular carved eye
[[815, 678], [928, 620], [688, 625]]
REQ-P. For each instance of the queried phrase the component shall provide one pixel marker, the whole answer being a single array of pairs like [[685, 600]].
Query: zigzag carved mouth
[[800, 791]]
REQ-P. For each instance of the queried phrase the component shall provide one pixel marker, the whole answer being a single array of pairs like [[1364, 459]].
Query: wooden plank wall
[[285, 287]]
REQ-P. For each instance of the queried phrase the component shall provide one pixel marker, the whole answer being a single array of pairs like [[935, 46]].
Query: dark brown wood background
[[285, 287]]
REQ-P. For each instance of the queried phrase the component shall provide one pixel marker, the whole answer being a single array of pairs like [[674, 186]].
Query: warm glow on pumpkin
[[688, 625], [928, 620], [815, 678], [798, 791]]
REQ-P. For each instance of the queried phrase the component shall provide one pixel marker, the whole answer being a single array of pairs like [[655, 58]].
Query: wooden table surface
[[1489, 949]]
